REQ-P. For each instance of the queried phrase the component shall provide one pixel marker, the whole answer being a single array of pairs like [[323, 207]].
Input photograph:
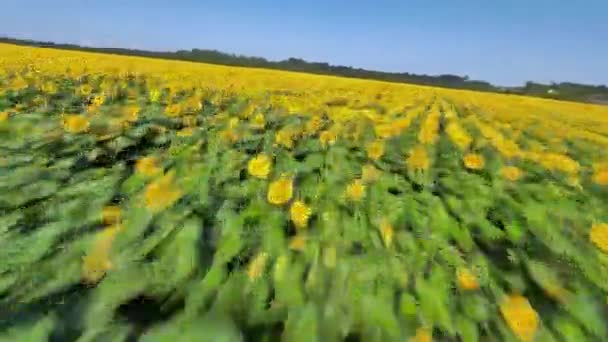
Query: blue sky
[[504, 42]]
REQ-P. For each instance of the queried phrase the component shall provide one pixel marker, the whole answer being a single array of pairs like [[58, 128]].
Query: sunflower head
[[76, 123], [260, 166], [473, 161], [280, 191], [355, 191], [300, 213]]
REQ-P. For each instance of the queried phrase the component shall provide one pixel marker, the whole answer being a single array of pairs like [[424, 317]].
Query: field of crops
[[159, 200]]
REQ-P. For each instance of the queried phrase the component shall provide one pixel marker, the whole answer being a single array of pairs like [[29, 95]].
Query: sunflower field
[[158, 200]]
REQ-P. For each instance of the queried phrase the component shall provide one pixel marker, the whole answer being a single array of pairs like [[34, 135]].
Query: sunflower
[[300, 213], [258, 121], [260, 166], [298, 242], [601, 177], [418, 159], [257, 266], [511, 173], [327, 138], [355, 191], [387, 232], [521, 318], [148, 166], [162, 193], [422, 335], [598, 235], [185, 132], [473, 161], [110, 215], [76, 123], [284, 137], [466, 279], [173, 109], [97, 262], [314, 124], [280, 191], [375, 149], [85, 90]]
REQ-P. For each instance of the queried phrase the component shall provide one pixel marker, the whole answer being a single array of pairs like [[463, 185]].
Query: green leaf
[[408, 305], [569, 330], [301, 326], [180, 258], [210, 328], [380, 314], [585, 309], [476, 307], [40, 330], [467, 329]]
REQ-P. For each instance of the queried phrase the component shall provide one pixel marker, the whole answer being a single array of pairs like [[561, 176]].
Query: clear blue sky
[[504, 42]]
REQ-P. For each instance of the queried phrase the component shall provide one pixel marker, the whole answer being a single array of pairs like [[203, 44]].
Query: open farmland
[[157, 200]]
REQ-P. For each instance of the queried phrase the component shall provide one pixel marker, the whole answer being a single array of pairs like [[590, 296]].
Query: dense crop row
[[168, 200]]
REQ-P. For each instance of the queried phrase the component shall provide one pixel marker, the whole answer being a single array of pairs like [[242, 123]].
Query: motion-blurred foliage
[[175, 201]]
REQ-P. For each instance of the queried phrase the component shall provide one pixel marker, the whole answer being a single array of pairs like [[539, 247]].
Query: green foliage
[[378, 269]]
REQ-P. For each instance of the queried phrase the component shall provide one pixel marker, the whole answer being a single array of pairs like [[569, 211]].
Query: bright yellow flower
[[49, 87], [162, 193], [314, 124], [511, 173], [76, 123], [281, 190], [375, 149], [173, 109], [284, 137], [185, 132], [97, 261], [131, 113], [260, 166], [422, 335], [418, 159], [258, 121], [300, 213], [521, 318], [430, 126], [298, 242], [3, 116], [155, 95], [556, 161], [387, 232], [466, 279], [99, 100], [189, 120], [257, 266], [458, 135], [473, 161], [148, 166], [327, 138], [384, 130], [598, 235], [355, 191], [229, 135], [111, 215], [601, 177], [86, 89]]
